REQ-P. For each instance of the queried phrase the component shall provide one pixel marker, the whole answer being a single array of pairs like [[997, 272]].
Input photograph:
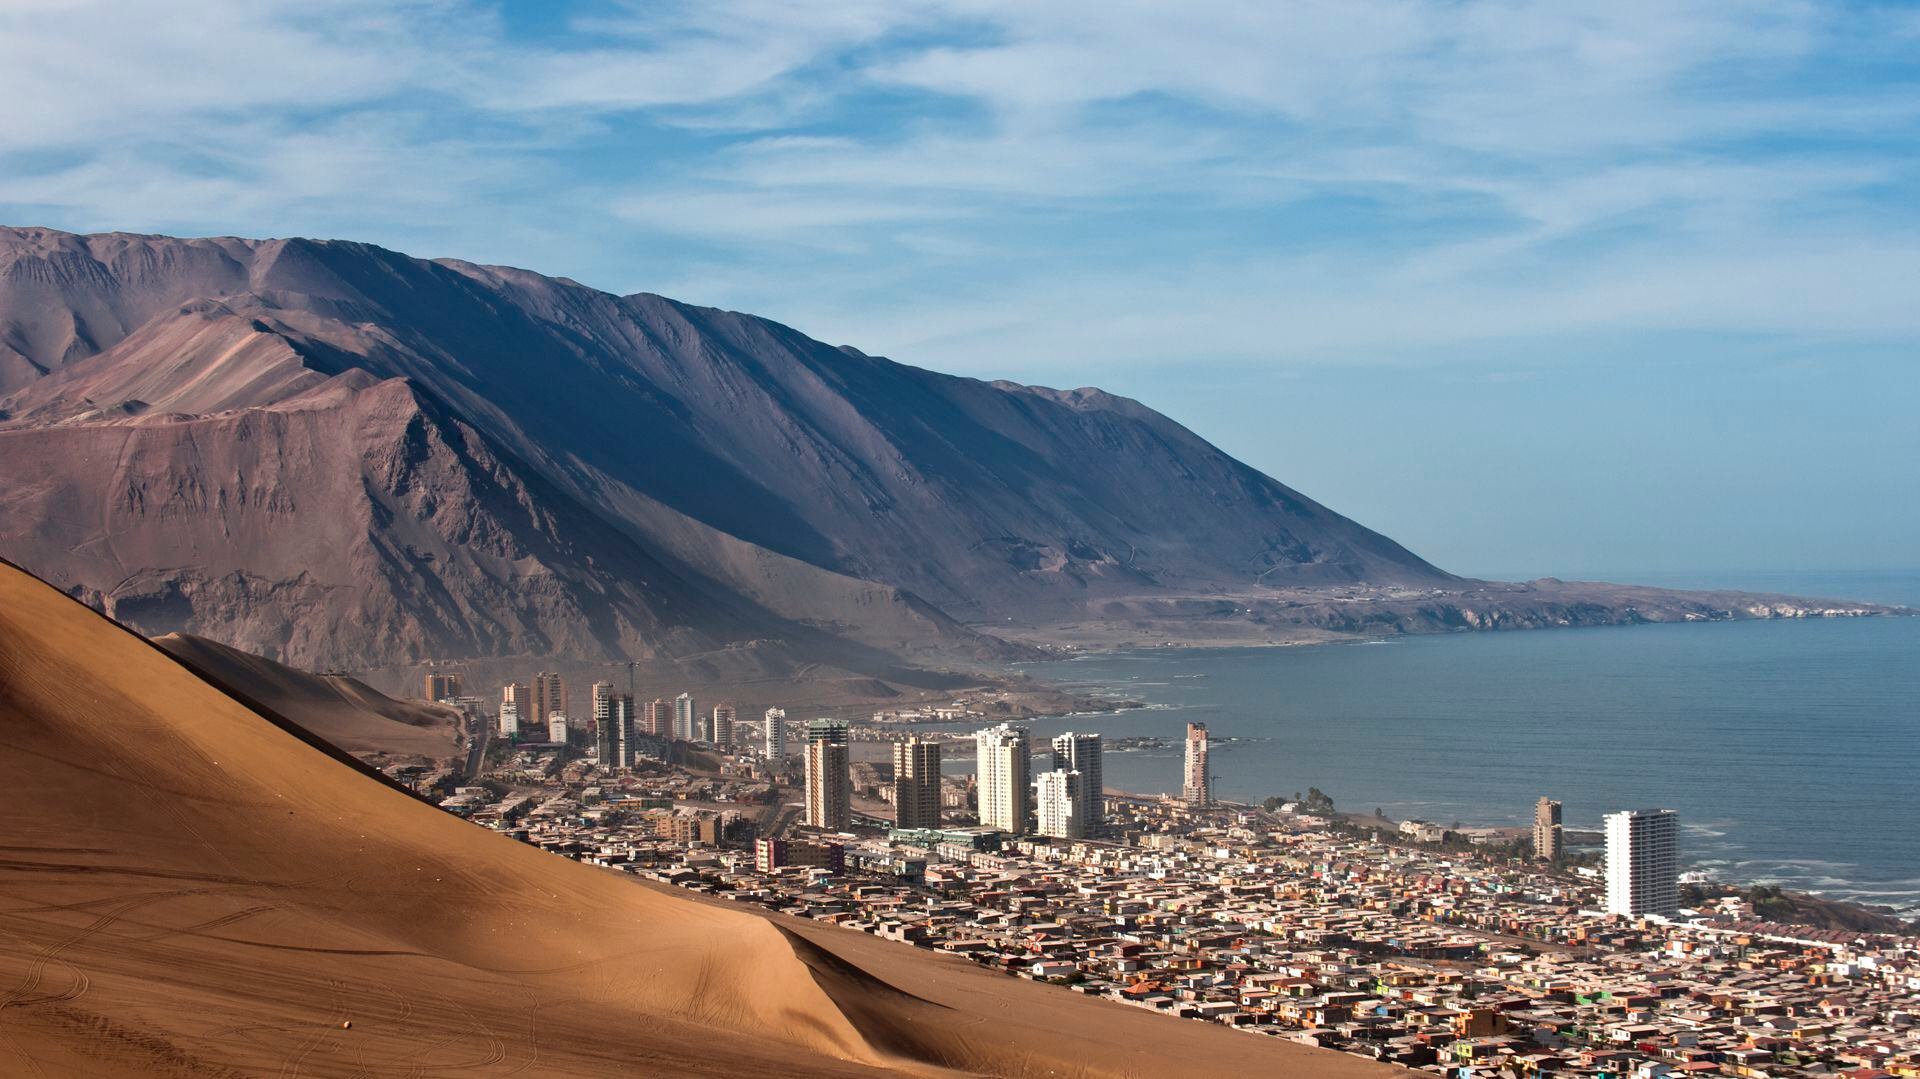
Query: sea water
[[1790, 749]]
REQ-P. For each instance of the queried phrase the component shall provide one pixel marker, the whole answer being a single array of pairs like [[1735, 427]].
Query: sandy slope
[[344, 711], [189, 888]]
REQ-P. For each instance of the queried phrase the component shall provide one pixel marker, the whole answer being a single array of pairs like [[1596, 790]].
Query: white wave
[[1801, 863]]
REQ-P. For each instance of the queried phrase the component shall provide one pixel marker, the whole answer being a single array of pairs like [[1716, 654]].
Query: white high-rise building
[[1197, 788], [1643, 862], [509, 719], [1081, 753], [604, 746], [557, 727], [1004, 765], [774, 738], [685, 727], [1060, 800]]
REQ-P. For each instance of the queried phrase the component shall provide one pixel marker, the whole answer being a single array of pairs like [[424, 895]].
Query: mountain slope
[[352, 521], [337, 455], [193, 887], [815, 483]]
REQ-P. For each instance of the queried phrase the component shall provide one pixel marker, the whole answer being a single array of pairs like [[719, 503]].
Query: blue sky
[[1533, 287]]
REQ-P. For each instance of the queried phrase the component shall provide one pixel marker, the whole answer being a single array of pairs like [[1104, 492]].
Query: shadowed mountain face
[[335, 454]]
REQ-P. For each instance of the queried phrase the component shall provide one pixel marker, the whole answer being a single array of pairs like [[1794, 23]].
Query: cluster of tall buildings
[[1064, 802], [1643, 856], [441, 687], [539, 709]]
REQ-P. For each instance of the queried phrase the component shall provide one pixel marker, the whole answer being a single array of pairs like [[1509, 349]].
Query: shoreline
[[1757, 854]]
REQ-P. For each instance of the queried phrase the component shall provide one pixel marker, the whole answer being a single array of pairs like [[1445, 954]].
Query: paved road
[[477, 752]]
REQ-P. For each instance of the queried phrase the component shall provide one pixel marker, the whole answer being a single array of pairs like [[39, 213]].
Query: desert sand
[[343, 711], [191, 884]]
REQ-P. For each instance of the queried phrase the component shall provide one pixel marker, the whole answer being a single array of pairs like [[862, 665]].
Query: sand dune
[[192, 887], [344, 711]]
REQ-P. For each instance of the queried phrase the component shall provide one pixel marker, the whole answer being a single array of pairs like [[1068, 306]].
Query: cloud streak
[[1065, 185]]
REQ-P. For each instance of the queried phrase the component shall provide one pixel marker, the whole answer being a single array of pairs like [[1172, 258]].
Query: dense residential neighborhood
[[1410, 944]]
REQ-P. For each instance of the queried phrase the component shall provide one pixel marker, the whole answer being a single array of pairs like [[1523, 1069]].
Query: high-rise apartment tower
[[1081, 753], [1003, 778], [774, 738], [829, 784], [1643, 862], [1197, 787], [685, 727], [1549, 839], [549, 696], [916, 784], [1060, 801]]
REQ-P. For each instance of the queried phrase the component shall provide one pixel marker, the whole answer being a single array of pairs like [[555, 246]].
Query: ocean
[[1791, 749]]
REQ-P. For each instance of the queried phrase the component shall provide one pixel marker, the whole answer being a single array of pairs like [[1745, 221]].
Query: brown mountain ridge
[[340, 456]]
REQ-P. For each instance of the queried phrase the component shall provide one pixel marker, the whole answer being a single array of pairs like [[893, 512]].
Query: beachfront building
[[774, 737], [1643, 862], [1549, 839], [1081, 753], [685, 727], [829, 783], [1060, 800], [1004, 764], [1197, 788], [916, 784]]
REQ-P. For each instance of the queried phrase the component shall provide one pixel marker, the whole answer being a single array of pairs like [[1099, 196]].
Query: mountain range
[[336, 455]]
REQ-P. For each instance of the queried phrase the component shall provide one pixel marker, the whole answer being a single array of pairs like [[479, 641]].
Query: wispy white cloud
[[963, 181]]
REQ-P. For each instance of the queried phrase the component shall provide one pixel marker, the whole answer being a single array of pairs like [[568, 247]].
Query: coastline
[[1356, 614], [1514, 710]]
